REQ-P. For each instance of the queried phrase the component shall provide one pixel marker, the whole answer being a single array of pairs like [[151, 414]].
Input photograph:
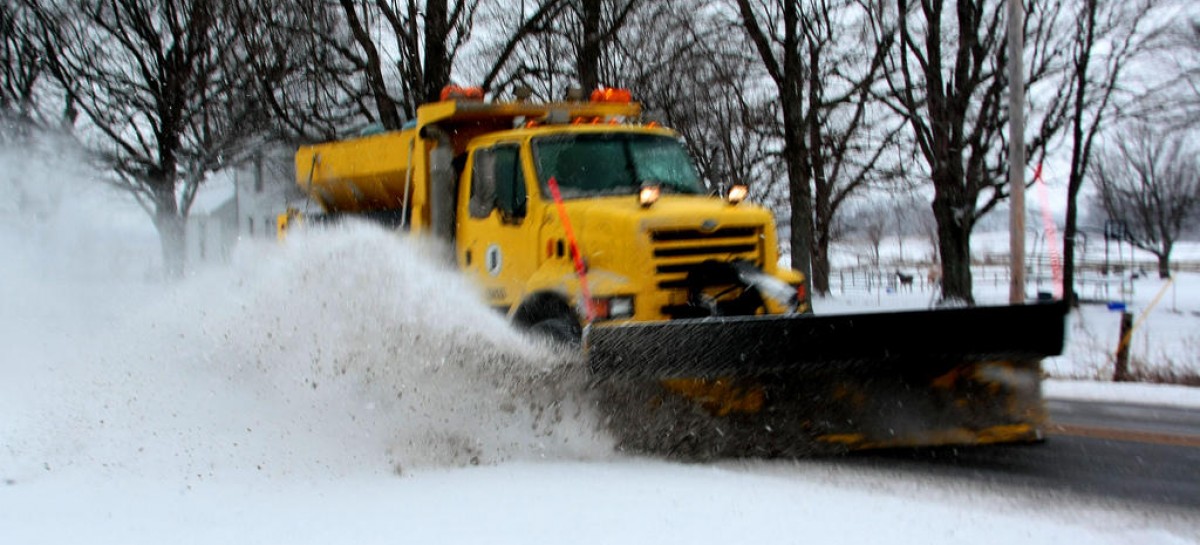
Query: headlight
[[738, 193], [613, 308], [649, 194], [620, 307]]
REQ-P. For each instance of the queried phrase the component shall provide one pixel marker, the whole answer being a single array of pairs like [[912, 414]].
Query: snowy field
[[1166, 338], [316, 392]]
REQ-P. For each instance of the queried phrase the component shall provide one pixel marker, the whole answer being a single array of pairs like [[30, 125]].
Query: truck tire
[[559, 331]]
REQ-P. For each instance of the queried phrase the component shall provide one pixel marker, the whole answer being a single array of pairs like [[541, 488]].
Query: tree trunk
[[822, 224], [437, 58], [799, 184], [1080, 149], [171, 235], [1068, 265], [789, 79], [385, 107], [795, 147], [1164, 265], [588, 62], [954, 241], [822, 188], [801, 219], [820, 264]]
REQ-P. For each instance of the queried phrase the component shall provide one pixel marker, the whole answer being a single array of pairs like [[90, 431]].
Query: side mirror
[[483, 184]]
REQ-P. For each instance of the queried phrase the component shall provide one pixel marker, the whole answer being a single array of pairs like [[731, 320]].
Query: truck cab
[[653, 238]]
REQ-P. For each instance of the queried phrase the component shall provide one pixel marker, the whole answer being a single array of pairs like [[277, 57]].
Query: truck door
[[496, 242]]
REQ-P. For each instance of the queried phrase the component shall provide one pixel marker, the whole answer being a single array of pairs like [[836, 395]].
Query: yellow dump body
[[363, 174], [390, 171]]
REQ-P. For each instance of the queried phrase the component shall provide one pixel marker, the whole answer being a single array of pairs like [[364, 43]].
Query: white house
[[240, 204]]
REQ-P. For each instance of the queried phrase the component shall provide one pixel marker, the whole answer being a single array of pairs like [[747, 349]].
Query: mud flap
[[797, 385]]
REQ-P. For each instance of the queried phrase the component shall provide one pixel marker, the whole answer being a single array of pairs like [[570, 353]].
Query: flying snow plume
[[343, 350], [378, 345]]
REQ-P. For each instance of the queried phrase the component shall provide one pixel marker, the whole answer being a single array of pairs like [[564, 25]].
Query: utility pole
[[1016, 150]]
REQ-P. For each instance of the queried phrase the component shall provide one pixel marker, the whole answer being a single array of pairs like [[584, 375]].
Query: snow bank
[[624, 501], [1124, 392]]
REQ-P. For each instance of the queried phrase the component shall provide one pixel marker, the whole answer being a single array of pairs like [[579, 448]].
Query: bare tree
[[947, 80], [909, 213], [594, 31], [307, 87], [825, 100], [325, 67], [854, 136], [870, 222], [527, 47], [874, 228], [20, 72], [557, 44], [1192, 72], [789, 76], [1106, 37], [426, 38], [21, 69], [1151, 180], [1181, 96], [538, 22], [157, 85], [699, 78], [1167, 83]]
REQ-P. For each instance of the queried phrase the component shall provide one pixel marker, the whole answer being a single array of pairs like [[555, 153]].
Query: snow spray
[[345, 350]]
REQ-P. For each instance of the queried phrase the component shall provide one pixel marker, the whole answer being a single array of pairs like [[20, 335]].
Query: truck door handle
[[467, 257]]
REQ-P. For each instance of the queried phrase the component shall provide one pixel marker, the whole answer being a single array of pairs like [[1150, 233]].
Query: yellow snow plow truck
[[587, 224]]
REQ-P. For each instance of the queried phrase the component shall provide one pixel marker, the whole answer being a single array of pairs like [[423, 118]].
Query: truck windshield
[[614, 164]]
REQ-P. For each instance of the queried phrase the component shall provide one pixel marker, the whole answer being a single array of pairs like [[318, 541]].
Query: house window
[[258, 175]]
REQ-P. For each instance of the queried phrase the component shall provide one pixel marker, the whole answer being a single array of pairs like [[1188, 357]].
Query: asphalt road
[[1128, 453]]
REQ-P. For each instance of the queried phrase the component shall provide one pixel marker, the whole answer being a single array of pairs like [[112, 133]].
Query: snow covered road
[[621, 501]]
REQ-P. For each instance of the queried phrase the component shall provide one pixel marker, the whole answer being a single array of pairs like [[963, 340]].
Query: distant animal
[[906, 280], [933, 277]]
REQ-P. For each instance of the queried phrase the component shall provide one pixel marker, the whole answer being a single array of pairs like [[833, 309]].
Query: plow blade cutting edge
[[802, 384]]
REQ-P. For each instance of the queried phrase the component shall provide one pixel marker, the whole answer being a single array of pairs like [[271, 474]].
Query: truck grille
[[677, 252]]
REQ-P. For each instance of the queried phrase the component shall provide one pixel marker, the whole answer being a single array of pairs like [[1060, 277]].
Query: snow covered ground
[[316, 393], [1166, 337]]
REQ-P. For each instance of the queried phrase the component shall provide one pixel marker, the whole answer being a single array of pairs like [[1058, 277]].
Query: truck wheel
[[559, 331]]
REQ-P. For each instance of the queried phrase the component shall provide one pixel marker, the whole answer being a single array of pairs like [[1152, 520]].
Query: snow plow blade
[[801, 385]]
